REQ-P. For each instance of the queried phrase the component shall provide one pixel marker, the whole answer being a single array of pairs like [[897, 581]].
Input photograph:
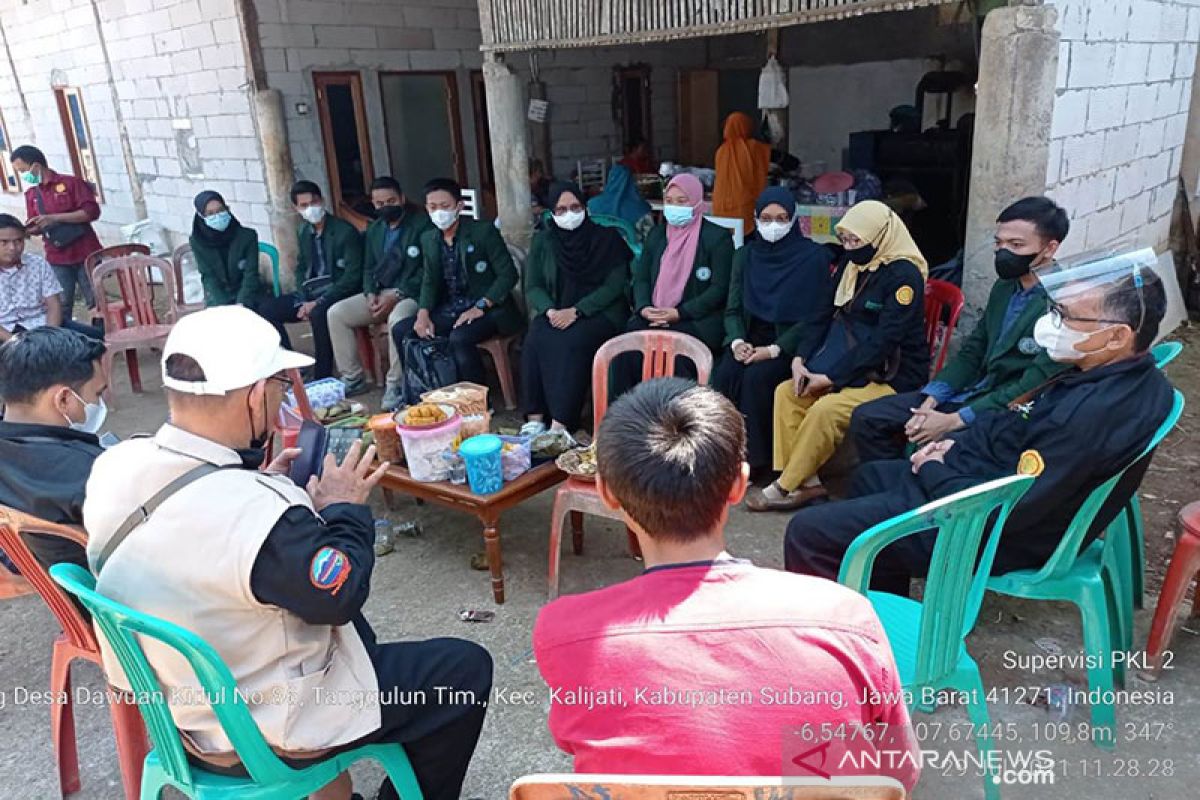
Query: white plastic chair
[[734, 224]]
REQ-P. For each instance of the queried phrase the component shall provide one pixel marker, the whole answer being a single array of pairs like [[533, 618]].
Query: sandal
[[757, 500]]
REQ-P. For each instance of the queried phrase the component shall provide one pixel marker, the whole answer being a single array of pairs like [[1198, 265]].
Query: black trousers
[[817, 537], [556, 366], [752, 389], [877, 427], [463, 339], [626, 370], [278, 310]]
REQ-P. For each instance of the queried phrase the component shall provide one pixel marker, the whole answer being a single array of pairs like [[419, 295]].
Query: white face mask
[[570, 220], [1059, 340], [313, 214], [444, 218], [773, 231], [94, 415]]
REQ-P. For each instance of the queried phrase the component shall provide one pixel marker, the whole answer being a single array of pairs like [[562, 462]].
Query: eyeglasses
[[1058, 315], [282, 380], [574, 208], [784, 218]]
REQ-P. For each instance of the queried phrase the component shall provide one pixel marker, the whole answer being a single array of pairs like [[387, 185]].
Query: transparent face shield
[[1083, 288]]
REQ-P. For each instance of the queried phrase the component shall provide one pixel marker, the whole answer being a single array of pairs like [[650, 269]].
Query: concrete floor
[[418, 590]]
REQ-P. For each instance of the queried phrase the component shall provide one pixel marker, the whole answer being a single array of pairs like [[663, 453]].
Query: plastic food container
[[482, 457], [387, 438], [321, 394], [423, 445]]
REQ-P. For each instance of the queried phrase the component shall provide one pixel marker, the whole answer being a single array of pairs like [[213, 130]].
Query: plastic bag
[[772, 86]]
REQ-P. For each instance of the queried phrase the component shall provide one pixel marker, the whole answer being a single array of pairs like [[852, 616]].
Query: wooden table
[[486, 507]]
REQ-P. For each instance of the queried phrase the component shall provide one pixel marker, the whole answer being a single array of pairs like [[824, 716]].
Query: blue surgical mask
[[678, 215], [218, 221]]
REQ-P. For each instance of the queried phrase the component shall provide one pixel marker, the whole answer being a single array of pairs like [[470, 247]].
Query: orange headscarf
[[742, 164]]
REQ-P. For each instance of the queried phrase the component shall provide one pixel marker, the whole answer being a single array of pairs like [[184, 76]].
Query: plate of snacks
[[579, 463], [424, 415]]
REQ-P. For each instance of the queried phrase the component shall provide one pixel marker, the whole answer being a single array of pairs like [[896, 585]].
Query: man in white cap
[[183, 526]]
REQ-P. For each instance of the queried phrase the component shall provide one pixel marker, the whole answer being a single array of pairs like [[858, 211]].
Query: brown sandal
[[756, 499]]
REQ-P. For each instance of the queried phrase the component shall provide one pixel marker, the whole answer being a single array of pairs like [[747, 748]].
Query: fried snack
[[423, 415]]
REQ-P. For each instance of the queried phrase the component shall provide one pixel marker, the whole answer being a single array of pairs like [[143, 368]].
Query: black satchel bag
[[59, 234], [428, 365]]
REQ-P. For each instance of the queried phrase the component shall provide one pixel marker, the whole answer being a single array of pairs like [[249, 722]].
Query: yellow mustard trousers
[[808, 430]]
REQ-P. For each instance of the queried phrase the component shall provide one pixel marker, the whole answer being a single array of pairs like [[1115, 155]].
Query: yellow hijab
[[876, 224]]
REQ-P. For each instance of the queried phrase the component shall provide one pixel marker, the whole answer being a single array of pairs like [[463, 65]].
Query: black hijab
[[584, 256], [779, 278], [211, 237]]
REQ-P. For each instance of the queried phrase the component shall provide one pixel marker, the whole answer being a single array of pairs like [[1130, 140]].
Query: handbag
[[840, 340], [59, 234], [428, 365]]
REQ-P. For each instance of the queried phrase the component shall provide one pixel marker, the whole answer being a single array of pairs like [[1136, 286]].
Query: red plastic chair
[[142, 328], [940, 296], [77, 640], [660, 351], [1185, 564], [117, 309], [373, 350]]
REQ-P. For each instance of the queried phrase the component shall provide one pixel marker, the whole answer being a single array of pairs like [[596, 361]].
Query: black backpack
[[428, 365]]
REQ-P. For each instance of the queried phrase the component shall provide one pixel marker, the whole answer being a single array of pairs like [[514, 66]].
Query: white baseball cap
[[234, 346]]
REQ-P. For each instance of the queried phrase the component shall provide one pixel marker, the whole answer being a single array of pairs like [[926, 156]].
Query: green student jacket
[[233, 279], [489, 268], [1013, 365], [707, 289], [541, 286], [414, 225], [343, 253], [798, 339]]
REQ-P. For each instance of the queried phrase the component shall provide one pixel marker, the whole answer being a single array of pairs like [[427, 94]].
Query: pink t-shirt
[[722, 668]]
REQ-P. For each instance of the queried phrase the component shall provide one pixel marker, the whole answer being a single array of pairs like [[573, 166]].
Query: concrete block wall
[[1124, 89]]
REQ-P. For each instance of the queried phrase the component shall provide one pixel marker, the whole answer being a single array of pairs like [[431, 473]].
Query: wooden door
[[699, 116]]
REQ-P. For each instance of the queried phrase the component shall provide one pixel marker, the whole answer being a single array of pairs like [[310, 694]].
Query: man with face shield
[[184, 526], [1074, 432]]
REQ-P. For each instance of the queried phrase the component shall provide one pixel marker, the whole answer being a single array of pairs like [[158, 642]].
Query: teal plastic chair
[[167, 764], [1098, 581], [1165, 352], [928, 637], [272, 253], [627, 230]]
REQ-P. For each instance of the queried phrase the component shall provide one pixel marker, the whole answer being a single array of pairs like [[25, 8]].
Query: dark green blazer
[[489, 268], [1011, 366], [343, 253], [414, 225], [541, 285], [234, 278], [707, 289], [798, 339]]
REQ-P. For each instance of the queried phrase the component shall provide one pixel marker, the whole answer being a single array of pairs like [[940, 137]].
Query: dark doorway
[[344, 134]]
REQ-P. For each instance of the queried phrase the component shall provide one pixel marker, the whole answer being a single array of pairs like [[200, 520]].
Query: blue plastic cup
[[482, 456]]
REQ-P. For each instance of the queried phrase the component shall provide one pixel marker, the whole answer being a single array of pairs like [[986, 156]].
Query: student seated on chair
[[575, 282], [226, 254], [1075, 432], [702, 664], [274, 576], [466, 285], [681, 280], [51, 381], [30, 293], [998, 361], [328, 269], [391, 285], [874, 346]]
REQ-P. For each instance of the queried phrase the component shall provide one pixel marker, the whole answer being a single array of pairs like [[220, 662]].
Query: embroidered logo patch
[[481, 266], [704, 273], [413, 251], [329, 569], [60, 187], [1030, 463], [905, 295], [1028, 345]]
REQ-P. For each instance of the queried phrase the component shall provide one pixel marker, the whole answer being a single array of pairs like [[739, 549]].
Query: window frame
[[62, 95], [11, 183]]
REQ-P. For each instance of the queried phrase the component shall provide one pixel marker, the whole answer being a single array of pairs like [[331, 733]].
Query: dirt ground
[[418, 590]]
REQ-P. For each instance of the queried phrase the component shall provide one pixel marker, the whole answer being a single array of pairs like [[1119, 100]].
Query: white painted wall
[[1124, 90]]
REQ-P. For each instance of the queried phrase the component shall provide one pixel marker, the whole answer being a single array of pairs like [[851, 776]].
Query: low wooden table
[[487, 507]]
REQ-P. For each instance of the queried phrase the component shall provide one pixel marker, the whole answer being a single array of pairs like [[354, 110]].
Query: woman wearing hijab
[[681, 280], [780, 299], [742, 163], [874, 346], [226, 254], [620, 199], [575, 281]]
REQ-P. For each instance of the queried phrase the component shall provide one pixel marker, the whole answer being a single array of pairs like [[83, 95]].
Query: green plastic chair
[[272, 253], [1098, 581], [167, 764], [928, 637]]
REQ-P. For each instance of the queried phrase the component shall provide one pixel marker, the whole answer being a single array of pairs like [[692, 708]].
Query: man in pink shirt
[[706, 664]]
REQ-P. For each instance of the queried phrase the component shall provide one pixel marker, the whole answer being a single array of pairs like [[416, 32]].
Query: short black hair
[[33, 361], [9, 221], [387, 183], [444, 185], [29, 154], [1047, 216], [184, 368], [1130, 303], [670, 452], [304, 187]]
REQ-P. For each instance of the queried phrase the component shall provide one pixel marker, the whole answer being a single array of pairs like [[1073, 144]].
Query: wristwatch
[[482, 304]]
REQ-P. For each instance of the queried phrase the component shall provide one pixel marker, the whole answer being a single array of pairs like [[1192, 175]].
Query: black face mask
[[254, 455], [390, 214], [862, 255], [1010, 265]]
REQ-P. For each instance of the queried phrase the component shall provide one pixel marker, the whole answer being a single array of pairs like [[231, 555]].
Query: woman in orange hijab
[[742, 164]]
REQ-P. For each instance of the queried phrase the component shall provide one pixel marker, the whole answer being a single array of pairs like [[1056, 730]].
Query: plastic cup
[[482, 457]]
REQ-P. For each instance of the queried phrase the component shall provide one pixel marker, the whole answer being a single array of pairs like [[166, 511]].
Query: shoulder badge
[[60, 187], [413, 251], [1030, 463], [330, 568], [481, 266], [703, 273], [1028, 346], [905, 295]]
